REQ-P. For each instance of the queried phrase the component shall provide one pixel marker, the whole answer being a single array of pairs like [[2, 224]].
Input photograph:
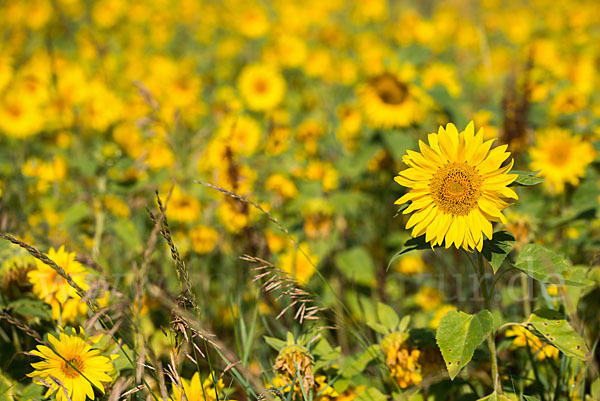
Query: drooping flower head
[[562, 158], [457, 187], [72, 368]]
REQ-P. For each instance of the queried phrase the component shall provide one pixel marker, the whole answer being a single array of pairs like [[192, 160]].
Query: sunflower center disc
[[71, 368], [389, 89], [456, 188]]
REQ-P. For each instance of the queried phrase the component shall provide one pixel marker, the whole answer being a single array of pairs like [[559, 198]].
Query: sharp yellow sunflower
[[72, 368], [457, 187]]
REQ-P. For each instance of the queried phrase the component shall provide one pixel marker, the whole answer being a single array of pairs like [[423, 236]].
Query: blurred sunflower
[[388, 101], [49, 286], [458, 187], [261, 86], [562, 158]]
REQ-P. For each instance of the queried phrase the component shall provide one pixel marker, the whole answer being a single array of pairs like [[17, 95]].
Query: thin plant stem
[[491, 338]]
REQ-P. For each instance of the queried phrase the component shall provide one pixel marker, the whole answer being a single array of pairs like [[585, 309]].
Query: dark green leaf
[[527, 178], [546, 266], [496, 249]]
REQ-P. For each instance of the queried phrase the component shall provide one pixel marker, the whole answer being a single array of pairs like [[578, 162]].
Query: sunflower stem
[[491, 337]]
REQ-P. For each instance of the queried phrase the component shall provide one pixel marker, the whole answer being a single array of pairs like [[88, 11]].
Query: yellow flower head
[[457, 187], [72, 368], [204, 238], [428, 298], [411, 264], [524, 338], [241, 134], [298, 265], [562, 158], [388, 101], [402, 360], [49, 285], [261, 86], [194, 390]]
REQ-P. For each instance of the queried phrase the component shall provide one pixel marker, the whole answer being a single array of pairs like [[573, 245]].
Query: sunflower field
[[300, 200]]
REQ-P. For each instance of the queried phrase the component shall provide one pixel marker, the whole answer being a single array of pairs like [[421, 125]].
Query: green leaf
[[412, 244], [496, 249], [31, 307], [387, 316], [76, 213], [527, 178], [546, 266], [371, 394], [355, 364], [378, 327], [127, 232], [557, 331], [494, 397], [404, 323], [398, 142], [530, 398], [459, 334], [356, 265], [275, 342]]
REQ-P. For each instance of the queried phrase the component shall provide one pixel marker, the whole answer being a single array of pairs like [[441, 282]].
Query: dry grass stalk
[[281, 284]]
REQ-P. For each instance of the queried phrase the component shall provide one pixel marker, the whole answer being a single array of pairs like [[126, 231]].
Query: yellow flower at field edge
[[562, 158], [388, 101], [428, 298], [402, 360], [194, 390], [261, 86], [457, 187], [49, 285], [297, 264], [75, 364], [411, 264], [204, 238], [524, 338]]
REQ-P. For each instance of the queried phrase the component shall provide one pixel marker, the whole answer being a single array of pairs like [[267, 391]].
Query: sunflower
[[49, 286], [389, 101], [72, 367], [261, 86], [457, 187], [562, 158], [194, 390]]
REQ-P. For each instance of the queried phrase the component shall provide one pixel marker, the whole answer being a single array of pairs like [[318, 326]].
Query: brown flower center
[[389, 89], [261, 86], [72, 366], [456, 188], [559, 155]]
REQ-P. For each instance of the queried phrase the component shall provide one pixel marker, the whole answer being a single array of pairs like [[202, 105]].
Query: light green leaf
[[387, 316], [356, 265], [494, 397], [459, 334], [76, 213], [527, 178], [355, 364], [275, 342], [496, 249], [378, 327], [31, 307], [557, 331], [371, 394], [546, 266], [127, 232], [530, 398]]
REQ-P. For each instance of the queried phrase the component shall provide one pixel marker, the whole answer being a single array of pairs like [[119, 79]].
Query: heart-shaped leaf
[[459, 334], [496, 249]]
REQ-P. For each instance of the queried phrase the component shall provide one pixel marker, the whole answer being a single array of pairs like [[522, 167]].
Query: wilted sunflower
[[457, 187], [72, 368], [388, 101], [562, 158]]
